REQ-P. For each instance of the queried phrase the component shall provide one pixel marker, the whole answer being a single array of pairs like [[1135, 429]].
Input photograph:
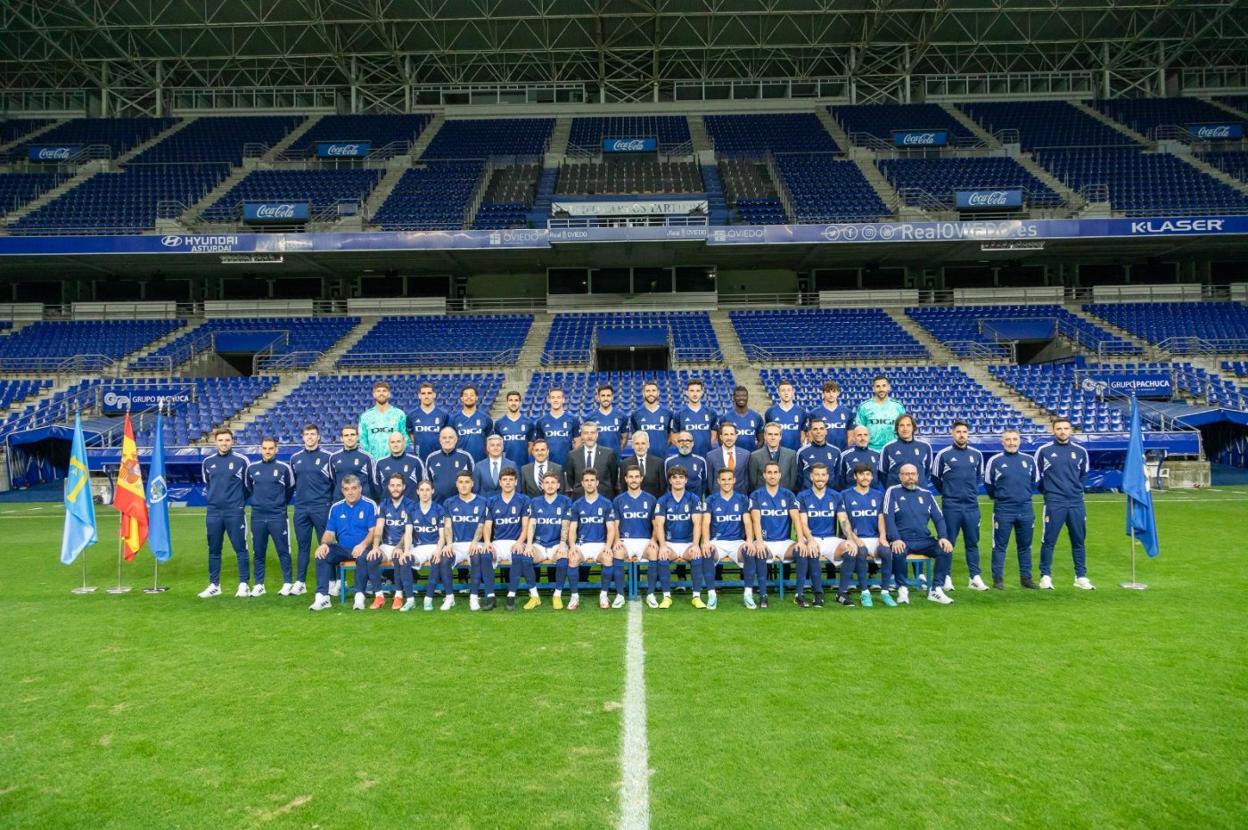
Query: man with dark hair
[[788, 415], [836, 416], [559, 427], [697, 420], [957, 472], [653, 419], [426, 421], [772, 452], [677, 526], [532, 476], [380, 422], [471, 424], [612, 422], [818, 451], [879, 414], [748, 422], [591, 455], [906, 449], [271, 484], [225, 489], [314, 493], [516, 430], [351, 460], [1062, 467]]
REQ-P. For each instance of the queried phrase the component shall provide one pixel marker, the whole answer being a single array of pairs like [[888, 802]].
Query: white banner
[[660, 208]]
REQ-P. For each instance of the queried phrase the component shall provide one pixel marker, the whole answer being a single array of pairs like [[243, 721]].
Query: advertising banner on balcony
[[1001, 199], [630, 145], [1216, 132], [1126, 384], [343, 149], [275, 213], [116, 400], [52, 152], [920, 138], [655, 207]]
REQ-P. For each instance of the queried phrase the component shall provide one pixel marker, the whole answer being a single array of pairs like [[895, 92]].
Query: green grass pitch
[[1064, 709]]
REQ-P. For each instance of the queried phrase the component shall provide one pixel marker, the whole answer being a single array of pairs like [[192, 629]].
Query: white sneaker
[[977, 583], [474, 604], [285, 590], [258, 590], [652, 600], [320, 603], [575, 602], [243, 590], [1084, 583], [358, 605], [948, 586], [1046, 583], [335, 585], [903, 596], [298, 589], [619, 601], [938, 595], [428, 603], [213, 590], [604, 601], [448, 603]]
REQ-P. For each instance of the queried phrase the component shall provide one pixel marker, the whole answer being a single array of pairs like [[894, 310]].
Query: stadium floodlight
[[1012, 245], [252, 259]]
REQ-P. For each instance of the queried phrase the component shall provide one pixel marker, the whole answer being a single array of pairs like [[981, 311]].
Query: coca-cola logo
[[343, 150], [53, 153], [628, 145], [280, 211], [1217, 131], [988, 198], [918, 138]]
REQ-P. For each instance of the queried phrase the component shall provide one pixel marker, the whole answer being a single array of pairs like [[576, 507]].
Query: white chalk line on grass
[[634, 746]]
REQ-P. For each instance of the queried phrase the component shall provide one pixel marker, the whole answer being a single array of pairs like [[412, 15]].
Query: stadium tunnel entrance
[[646, 348]]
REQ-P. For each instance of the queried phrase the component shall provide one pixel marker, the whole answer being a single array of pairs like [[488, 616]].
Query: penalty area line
[[634, 746]]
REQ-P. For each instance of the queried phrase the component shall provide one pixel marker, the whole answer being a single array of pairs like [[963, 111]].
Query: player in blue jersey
[[858, 452], [906, 449], [677, 532], [314, 493], [788, 415], [634, 509], [348, 536], [653, 419], [516, 430], [465, 515], [612, 422], [351, 460], [426, 421], [773, 510], [818, 508], [818, 451], [443, 465], [547, 539], [471, 424], [749, 423], [696, 419], [405, 464], [957, 472], [225, 489], [862, 526], [727, 532], [836, 416], [506, 520], [271, 484], [429, 539], [560, 428], [1010, 479], [591, 538], [1061, 468], [392, 540]]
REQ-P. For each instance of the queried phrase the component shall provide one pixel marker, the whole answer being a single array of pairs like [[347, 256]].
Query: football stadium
[[623, 414]]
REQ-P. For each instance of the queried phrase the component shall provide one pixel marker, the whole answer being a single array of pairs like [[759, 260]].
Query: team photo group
[[833, 491]]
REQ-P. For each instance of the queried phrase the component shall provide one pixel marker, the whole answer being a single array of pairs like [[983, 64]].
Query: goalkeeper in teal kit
[[879, 414], [377, 424]]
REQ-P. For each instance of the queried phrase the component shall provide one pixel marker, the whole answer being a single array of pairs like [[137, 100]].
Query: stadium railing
[[827, 352], [690, 220], [1204, 346], [61, 365], [458, 358]]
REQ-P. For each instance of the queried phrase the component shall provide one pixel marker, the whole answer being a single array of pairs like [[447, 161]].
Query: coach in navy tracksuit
[[353, 461], [957, 472], [1009, 479], [314, 493], [819, 451], [225, 488], [859, 453], [271, 483], [411, 468], [443, 465], [1062, 466], [908, 509]]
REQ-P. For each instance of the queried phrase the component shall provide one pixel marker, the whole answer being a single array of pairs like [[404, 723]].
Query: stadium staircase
[[291, 137], [129, 360], [422, 141], [190, 216], [698, 139], [248, 415], [176, 127], [328, 361], [1146, 347], [735, 359], [1183, 152], [382, 191], [85, 172], [28, 137], [1238, 113], [1105, 119], [972, 126], [864, 159], [837, 132], [1070, 197], [557, 146]]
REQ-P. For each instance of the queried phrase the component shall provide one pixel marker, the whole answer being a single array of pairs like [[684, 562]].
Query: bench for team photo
[[501, 574]]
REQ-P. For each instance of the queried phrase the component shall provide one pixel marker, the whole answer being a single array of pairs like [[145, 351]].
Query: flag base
[[83, 589], [118, 589], [156, 589], [1135, 586]]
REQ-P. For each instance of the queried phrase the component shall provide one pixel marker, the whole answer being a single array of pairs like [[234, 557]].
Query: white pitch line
[[635, 746]]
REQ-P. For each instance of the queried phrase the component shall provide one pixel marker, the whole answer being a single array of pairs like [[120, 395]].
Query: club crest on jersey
[[231, 465], [920, 499], [275, 474], [318, 462], [361, 514]]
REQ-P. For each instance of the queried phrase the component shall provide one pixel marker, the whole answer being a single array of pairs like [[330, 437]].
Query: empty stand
[[301, 339], [940, 177], [670, 131], [750, 192], [1045, 124], [16, 189], [482, 138], [823, 334], [120, 135], [878, 121], [508, 197], [1181, 327], [323, 190], [41, 345], [462, 340], [824, 188], [960, 327], [431, 196], [219, 139], [630, 176], [755, 135], [1055, 387], [572, 335], [1145, 115], [380, 130]]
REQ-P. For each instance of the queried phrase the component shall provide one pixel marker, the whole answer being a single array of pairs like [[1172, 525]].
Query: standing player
[[506, 519], [677, 527], [547, 539], [748, 422], [727, 532], [314, 493], [859, 453], [836, 416], [817, 509], [1009, 480], [862, 524], [634, 509], [426, 421], [818, 451], [696, 419], [652, 419], [612, 423], [348, 537], [694, 465], [465, 514], [444, 465], [471, 424], [271, 484], [957, 472], [516, 430], [879, 414], [907, 510], [225, 489], [411, 468], [377, 424], [429, 546], [906, 449], [392, 539], [591, 538], [773, 510], [788, 415], [558, 426], [1062, 466], [353, 461]]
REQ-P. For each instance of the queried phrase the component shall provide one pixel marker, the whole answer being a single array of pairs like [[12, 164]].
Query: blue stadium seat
[[1144, 115], [958, 327], [1045, 124], [432, 196], [822, 334], [458, 340], [16, 189], [121, 135], [380, 130], [571, 335], [880, 120], [323, 190], [755, 135], [1222, 326], [60, 340], [304, 339], [219, 139], [587, 133], [940, 177], [482, 138]]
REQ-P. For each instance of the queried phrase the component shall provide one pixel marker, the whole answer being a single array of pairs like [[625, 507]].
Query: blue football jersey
[[773, 513], [656, 425], [409, 466], [837, 420], [820, 511], [791, 421], [506, 516], [466, 516], [516, 434], [611, 426], [748, 427], [473, 430], [678, 515], [396, 517], [699, 423], [559, 431], [591, 518], [727, 516], [425, 427], [547, 517], [426, 524], [863, 510], [636, 515]]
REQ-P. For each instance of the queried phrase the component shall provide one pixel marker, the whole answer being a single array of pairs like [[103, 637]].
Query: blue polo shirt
[[350, 523]]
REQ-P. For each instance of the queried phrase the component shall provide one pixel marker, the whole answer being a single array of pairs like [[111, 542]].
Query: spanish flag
[[128, 496]]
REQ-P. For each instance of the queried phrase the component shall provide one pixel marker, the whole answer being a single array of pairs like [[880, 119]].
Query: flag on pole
[[128, 496], [1141, 522], [157, 507], [79, 509]]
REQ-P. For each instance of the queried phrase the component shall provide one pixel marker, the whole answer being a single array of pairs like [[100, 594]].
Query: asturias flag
[[79, 510], [157, 507], [1141, 523], [128, 496]]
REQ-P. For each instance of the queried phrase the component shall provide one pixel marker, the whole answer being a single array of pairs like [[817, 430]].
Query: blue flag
[[157, 505], [79, 509], [1141, 523]]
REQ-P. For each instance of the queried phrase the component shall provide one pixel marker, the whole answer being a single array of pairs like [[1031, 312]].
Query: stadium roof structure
[[379, 51]]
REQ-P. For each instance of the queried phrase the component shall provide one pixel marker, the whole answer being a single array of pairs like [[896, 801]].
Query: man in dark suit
[[486, 472], [653, 478], [531, 475], [772, 451], [590, 456], [728, 455]]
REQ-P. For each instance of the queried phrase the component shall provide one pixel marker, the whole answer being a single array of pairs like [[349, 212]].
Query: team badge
[[361, 514], [275, 474], [318, 462], [231, 465], [920, 499]]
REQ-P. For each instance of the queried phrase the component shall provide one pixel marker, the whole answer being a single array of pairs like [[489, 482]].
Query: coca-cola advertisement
[[53, 153], [1216, 132], [920, 138], [281, 213], [989, 199], [343, 149], [630, 145]]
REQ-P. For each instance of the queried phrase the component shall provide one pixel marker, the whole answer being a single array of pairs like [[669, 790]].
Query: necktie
[[589, 459], [541, 473], [494, 471], [641, 465], [730, 458]]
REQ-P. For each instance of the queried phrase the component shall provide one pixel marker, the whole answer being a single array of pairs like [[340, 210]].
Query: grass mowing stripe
[[634, 747]]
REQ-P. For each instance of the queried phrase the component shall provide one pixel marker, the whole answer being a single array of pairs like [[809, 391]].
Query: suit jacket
[[605, 465], [483, 484], [785, 457], [653, 482], [528, 486], [740, 466]]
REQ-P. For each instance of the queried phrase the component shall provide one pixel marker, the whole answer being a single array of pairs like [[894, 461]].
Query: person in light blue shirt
[[348, 537]]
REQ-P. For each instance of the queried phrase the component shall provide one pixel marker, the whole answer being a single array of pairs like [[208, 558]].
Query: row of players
[[314, 477]]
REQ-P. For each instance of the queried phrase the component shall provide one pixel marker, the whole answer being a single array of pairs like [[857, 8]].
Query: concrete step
[[1105, 119], [980, 374], [291, 138], [881, 185], [830, 124], [972, 126], [162, 342], [530, 356], [729, 343], [1203, 166], [329, 360], [85, 172], [251, 411], [697, 134], [31, 136], [191, 215], [176, 127], [1056, 185], [558, 145], [431, 129], [1077, 310], [1235, 111], [383, 190], [934, 346]]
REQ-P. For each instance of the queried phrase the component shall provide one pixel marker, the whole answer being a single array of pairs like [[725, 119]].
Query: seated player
[[465, 513], [392, 539], [908, 509], [862, 524], [428, 521], [547, 538], [591, 538], [677, 526], [773, 510], [506, 519], [818, 506], [348, 537], [727, 532], [634, 509]]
